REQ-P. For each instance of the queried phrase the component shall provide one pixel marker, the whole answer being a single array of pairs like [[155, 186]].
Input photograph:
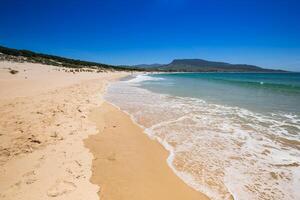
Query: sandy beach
[[129, 165], [46, 114], [43, 120]]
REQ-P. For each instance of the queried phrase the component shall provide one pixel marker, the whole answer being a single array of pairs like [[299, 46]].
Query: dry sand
[[43, 122]]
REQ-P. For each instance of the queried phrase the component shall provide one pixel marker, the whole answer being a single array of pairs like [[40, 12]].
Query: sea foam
[[142, 77], [221, 151]]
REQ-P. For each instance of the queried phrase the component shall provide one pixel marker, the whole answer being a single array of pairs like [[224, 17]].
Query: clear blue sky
[[261, 32]]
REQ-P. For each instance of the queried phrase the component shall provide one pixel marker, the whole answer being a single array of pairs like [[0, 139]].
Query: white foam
[[144, 77], [233, 147]]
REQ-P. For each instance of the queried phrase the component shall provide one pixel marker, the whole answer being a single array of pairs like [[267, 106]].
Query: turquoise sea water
[[229, 134], [263, 92]]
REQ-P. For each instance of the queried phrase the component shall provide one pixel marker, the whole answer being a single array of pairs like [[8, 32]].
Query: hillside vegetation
[[30, 56]]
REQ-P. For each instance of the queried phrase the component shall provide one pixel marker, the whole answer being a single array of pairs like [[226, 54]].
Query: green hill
[[199, 65], [30, 56]]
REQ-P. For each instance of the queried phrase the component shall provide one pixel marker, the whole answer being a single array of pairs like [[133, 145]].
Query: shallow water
[[228, 134]]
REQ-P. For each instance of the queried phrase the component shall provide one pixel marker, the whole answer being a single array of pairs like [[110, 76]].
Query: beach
[[129, 165], [60, 140], [150, 100]]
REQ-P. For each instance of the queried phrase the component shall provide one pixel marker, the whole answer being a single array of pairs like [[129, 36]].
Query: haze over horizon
[[116, 32]]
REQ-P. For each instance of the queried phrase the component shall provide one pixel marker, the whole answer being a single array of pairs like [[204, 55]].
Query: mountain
[[177, 65], [199, 65], [30, 56]]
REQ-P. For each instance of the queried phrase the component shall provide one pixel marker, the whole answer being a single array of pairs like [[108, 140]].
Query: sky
[[260, 32]]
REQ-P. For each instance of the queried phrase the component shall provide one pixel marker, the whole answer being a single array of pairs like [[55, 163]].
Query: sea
[[229, 135]]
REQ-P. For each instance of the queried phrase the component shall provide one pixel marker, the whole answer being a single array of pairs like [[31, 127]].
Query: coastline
[[223, 151], [45, 129], [128, 164]]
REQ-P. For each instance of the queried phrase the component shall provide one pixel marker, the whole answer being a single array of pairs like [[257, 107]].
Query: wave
[[262, 84], [144, 77], [221, 151]]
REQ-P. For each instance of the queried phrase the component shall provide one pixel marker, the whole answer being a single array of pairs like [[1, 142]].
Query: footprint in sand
[[30, 177], [61, 187], [111, 157]]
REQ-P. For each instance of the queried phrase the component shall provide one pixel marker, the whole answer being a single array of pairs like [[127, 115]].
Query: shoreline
[[120, 156], [199, 132], [167, 147], [44, 127]]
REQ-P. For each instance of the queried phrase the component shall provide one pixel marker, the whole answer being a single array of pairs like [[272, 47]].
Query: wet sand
[[128, 164]]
